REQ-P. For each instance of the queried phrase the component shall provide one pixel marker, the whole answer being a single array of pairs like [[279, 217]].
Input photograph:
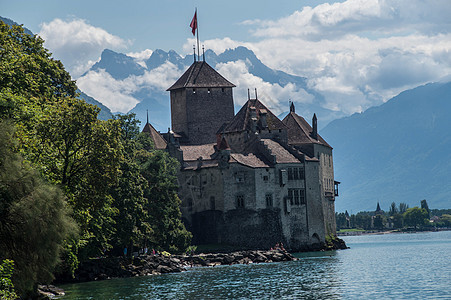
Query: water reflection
[[398, 267]]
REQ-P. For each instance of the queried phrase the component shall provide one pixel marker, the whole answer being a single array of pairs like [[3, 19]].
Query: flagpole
[[197, 30]]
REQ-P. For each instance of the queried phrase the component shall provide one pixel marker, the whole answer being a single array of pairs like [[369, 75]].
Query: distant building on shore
[[249, 180]]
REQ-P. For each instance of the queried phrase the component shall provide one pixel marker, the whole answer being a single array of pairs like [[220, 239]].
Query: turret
[[314, 127], [201, 101]]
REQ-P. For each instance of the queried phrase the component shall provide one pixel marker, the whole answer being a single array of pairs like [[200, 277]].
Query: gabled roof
[[281, 154], [242, 120], [193, 152], [249, 160], [158, 140], [305, 129], [198, 75]]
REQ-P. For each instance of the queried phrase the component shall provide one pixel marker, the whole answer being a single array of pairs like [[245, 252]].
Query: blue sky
[[153, 24], [356, 53]]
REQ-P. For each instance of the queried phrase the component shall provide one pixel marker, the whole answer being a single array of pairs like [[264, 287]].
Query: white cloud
[[118, 95], [141, 57], [159, 78], [115, 94], [77, 44], [274, 96], [360, 53], [355, 53], [351, 16]]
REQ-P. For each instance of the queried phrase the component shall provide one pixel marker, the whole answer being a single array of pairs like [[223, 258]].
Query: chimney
[[315, 127], [199, 162]]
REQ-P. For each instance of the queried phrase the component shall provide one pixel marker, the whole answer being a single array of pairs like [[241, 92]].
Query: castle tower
[[201, 101]]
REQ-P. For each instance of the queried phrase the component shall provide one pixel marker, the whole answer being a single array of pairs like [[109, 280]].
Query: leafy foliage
[[163, 203], [34, 218], [26, 67], [119, 190], [6, 285], [148, 204], [416, 217]]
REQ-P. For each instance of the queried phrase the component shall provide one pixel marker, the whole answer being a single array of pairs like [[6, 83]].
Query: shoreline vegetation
[[353, 231]]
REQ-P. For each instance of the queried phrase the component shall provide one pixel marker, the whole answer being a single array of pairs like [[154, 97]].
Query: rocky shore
[[144, 265]]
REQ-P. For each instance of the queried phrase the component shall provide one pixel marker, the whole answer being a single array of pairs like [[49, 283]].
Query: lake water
[[391, 266]]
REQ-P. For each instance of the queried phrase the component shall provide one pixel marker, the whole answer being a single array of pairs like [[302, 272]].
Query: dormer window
[[209, 91], [194, 91]]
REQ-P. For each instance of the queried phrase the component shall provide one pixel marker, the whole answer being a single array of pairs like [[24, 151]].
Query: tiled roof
[[198, 75], [281, 154], [193, 152], [194, 165], [305, 129], [241, 121], [158, 140], [249, 160]]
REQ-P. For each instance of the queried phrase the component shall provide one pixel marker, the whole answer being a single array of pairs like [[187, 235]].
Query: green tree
[[416, 217], [82, 154], [6, 285], [398, 221], [34, 218], [363, 221], [424, 204], [160, 170], [393, 209], [445, 220], [26, 67], [403, 207], [132, 221], [340, 220]]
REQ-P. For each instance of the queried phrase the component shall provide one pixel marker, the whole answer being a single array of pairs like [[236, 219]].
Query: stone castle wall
[[200, 112]]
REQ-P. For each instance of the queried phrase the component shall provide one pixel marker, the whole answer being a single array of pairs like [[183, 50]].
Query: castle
[[249, 180]]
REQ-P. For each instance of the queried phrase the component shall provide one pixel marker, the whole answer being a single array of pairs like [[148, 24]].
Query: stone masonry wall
[[207, 109]]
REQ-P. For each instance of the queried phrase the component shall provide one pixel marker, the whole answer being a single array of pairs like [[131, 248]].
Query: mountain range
[[156, 100], [396, 152]]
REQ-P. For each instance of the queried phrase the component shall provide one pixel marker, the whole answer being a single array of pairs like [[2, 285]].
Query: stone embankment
[[105, 268]]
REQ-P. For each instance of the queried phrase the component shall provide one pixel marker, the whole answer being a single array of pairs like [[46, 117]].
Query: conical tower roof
[[158, 140], [200, 75]]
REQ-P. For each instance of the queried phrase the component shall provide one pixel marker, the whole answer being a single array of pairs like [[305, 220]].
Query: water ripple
[[404, 266]]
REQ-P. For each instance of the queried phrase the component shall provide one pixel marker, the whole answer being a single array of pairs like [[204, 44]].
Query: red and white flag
[[193, 24]]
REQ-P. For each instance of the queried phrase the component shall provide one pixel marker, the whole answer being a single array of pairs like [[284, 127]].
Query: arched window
[[212, 203], [240, 201]]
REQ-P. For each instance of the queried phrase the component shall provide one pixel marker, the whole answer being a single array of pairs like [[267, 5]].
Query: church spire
[[292, 107], [147, 116]]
